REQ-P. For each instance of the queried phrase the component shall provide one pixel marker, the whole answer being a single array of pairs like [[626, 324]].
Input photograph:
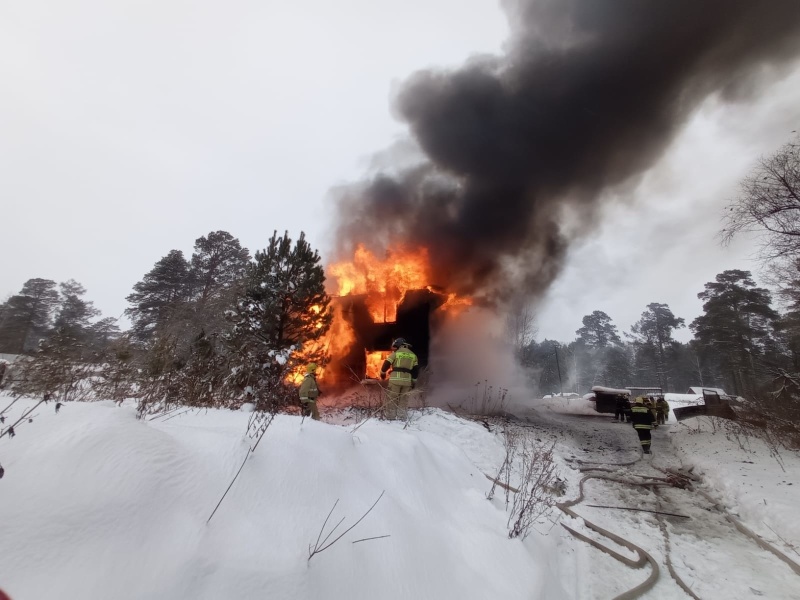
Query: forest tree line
[[747, 339], [217, 329]]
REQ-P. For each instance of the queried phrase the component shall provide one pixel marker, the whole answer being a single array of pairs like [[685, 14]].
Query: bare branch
[[378, 537], [321, 548]]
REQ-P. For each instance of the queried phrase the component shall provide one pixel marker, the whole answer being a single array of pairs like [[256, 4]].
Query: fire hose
[[643, 556], [673, 479]]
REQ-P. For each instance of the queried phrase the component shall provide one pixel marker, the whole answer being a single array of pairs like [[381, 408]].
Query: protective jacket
[[404, 365], [309, 389], [662, 406], [642, 416]]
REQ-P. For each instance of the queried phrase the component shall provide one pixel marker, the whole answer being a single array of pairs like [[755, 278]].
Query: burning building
[[376, 300]]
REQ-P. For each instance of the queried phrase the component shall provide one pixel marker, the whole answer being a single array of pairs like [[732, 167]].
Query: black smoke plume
[[588, 95]]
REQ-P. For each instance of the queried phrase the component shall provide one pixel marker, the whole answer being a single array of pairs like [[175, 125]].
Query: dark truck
[[605, 399], [714, 405]]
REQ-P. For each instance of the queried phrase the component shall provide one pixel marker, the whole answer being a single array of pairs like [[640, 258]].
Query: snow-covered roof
[[605, 390]]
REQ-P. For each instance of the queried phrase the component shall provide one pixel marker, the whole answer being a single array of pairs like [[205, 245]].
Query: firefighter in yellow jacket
[[643, 421], [402, 379], [662, 410], [309, 392]]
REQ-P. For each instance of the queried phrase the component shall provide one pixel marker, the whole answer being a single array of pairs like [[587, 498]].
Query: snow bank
[[98, 505], [760, 487]]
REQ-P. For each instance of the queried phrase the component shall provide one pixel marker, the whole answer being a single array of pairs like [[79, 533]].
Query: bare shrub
[[260, 419], [529, 465], [538, 477], [778, 410], [322, 544], [753, 425], [486, 399], [64, 378], [511, 443]]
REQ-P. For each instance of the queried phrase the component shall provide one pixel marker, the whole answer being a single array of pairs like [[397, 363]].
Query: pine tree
[[736, 324], [282, 310], [62, 363], [618, 366], [160, 296], [27, 316], [593, 351], [653, 332], [103, 333], [179, 312], [218, 268], [539, 360], [74, 313], [218, 264], [203, 376], [598, 331]]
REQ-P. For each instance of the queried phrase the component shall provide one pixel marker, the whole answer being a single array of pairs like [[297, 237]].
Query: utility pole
[[558, 366]]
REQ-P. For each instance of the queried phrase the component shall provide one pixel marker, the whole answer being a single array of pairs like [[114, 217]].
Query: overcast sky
[[130, 128]]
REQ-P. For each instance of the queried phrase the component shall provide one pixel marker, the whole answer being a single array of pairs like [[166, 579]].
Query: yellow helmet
[[311, 367]]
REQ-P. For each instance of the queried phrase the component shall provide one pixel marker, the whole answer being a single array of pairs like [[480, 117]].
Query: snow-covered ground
[[736, 477], [95, 504]]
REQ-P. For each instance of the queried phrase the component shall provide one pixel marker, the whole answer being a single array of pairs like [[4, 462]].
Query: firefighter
[[649, 402], [662, 410], [309, 392], [643, 421], [623, 408], [402, 379]]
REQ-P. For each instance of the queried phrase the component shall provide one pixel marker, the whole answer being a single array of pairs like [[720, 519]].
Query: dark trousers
[[644, 438], [620, 414], [309, 409]]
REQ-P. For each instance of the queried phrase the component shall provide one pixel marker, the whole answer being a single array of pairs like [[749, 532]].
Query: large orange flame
[[335, 343], [455, 304], [384, 282], [375, 362]]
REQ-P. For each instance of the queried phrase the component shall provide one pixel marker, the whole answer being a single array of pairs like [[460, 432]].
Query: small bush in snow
[[323, 544], [486, 399], [529, 466]]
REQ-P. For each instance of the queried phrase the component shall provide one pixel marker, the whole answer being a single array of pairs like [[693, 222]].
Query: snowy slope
[[98, 505]]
